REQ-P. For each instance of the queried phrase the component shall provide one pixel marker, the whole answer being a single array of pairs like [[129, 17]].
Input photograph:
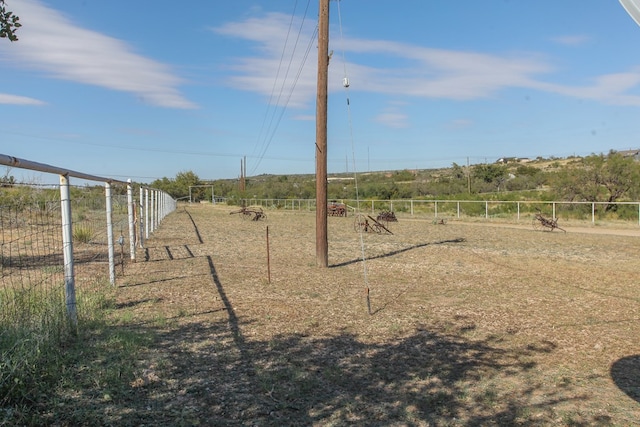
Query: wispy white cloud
[[612, 89], [571, 40], [437, 73], [393, 119], [284, 69], [5, 98], [50, 42], [393, 116], [408, 70]]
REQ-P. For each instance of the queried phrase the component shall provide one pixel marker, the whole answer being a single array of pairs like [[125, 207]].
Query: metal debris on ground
[[254, 213]]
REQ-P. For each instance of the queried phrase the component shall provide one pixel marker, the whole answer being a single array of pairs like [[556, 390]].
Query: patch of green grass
[[126, 316], [54, 373], [82, 233], [160, 320], [53, 269]]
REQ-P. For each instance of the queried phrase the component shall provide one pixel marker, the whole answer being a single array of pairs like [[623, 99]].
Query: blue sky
[[147, 89]]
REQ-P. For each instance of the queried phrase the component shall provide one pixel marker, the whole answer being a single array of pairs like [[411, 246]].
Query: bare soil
[[464, 324]]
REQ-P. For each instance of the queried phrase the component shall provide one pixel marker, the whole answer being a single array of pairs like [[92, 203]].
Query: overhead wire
[[275, 119], [275, 80], [346, 85], [283, 109]]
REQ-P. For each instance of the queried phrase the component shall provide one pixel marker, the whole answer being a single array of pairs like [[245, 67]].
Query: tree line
[[607, 178]]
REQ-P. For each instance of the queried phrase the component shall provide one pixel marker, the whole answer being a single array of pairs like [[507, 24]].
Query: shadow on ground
[[625, 373], [208, 376], [399, 251], [209, 373]]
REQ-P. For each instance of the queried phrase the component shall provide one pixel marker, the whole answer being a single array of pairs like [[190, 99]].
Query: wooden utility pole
[[468, 177], [242, 185], [322, 244]]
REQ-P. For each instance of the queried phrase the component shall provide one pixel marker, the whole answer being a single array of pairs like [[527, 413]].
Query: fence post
[[162, 208], [159, 206], [156, 207], [141, 219], [486, 209], [593, 213], [67, 250], [132, 227], [152, 213], [146, 213], [112, 265], [158, 210]]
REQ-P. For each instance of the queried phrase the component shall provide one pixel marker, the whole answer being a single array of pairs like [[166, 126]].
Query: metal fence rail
[[54, 245], [512, 209]]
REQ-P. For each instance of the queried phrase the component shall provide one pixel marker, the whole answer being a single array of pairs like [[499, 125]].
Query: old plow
[[369, 224], [546, 224], [253, 213]]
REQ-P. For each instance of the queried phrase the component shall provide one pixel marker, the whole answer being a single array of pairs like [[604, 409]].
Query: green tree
[[489, 173], [526, 178], [7, 180], [179, 186], [457, 171], [183, 181], [599, 178], [403, 175], [164, 184], [8, 23], [491, 176]]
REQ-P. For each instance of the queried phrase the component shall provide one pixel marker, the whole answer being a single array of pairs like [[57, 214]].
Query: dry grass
[[470, 324]]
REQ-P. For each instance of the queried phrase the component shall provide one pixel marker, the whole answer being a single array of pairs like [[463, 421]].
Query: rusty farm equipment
[[540, 222], [253, 213], [387, 217], [368, 224], [336, 209]]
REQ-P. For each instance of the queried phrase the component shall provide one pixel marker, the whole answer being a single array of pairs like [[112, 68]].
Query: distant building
[[630, 153], [512, 160]]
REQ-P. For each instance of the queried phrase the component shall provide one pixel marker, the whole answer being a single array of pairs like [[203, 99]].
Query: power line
[[272, 127], [275, 80]]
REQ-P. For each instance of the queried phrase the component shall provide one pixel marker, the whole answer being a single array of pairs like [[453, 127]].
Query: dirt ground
[[463, 324]]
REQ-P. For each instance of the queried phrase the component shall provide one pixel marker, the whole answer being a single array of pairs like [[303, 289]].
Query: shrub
[[82, 233]]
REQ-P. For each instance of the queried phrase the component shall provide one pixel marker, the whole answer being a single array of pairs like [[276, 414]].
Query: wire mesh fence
[[31, 257], [61, 248], [37, 286]]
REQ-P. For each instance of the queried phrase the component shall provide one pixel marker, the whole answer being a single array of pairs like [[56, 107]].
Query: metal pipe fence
[[60, 245], [516, 210]]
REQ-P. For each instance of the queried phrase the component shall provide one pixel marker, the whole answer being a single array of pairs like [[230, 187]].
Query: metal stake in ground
[[121, 243], [268, 259], [368, 301]]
